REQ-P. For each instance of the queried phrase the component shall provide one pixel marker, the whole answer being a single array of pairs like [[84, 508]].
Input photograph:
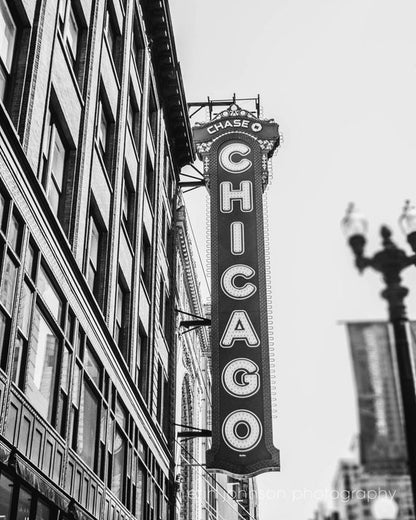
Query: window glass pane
[[65, 370], [8, 284], [130, 115], [119, 456], [102, 130], [3, 332], [54, 196], [6, 490], [14, 229], [43, 512], [58, 161], [72, 36], [119, 310], [87, 429], [92, 366], [2, 206], [109, 32], [3, 81], [7, 35], [49, 295], [121, 414], [25, 309], [30, 260], [77, 381], [23, 506], [41, 369], [125, 201], [94, 239], [19, 348]]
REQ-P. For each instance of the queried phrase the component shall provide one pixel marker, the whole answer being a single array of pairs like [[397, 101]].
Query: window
[[150, 178], [88, 425], [142, 356], [70, 29], [7, 46], [133, 117], [121, 317], [102, 129], [94, 244], [87, 422], [95, 269], [164, 226], [20, 503], [138, 49], [146, 261], [111, 33], [128, 209], [54, 156], [117, 456], [164, 310], [153, 114], [42, 366], [40, 358], [10, 245]]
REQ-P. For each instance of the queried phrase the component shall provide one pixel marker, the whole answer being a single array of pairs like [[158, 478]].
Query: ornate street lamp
[[390, 261]]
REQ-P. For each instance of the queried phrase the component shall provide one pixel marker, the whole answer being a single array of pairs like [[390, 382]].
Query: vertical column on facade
[[138, 232], [42, 47], [86, 145], [117, 166]]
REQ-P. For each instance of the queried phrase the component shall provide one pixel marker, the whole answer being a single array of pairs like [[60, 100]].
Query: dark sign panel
[[382, 441], [235, 148]]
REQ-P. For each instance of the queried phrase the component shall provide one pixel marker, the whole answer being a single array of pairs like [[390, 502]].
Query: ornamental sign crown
[[235, 148]]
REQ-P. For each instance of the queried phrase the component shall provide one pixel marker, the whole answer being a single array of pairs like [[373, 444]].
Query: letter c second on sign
[[227, 158], [228, 282]]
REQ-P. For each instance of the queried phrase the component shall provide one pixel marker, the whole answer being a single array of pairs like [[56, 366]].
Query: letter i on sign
[[237, 238]]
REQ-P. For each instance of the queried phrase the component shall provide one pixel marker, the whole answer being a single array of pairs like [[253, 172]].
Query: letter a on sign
[[239, 328], [236, 147]]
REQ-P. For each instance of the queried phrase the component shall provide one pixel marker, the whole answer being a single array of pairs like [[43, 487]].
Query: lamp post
[[390, 261]]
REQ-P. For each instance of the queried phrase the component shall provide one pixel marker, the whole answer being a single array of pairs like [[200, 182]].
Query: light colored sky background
[[340, 79]]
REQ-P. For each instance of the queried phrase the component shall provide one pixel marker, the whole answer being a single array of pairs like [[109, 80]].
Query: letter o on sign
[[242, 430], [227, 158], [241, 378]]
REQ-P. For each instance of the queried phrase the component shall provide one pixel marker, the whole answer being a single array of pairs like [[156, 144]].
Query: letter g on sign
[[227, 158]]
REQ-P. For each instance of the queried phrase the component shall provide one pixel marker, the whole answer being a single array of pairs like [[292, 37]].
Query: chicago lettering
[[241, 429]]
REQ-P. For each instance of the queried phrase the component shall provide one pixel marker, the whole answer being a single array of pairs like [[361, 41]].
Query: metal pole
[[395, 294]]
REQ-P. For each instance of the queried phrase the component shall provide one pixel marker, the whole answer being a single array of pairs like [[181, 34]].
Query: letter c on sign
[[241, 378], [227, 158], [228, 282]]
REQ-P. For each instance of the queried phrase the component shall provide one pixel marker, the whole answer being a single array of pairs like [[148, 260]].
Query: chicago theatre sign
[[235, 148]]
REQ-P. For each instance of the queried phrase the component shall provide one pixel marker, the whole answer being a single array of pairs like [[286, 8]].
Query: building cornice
[[169, 79]]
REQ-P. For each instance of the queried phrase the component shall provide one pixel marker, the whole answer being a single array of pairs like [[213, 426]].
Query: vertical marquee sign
[[235, 148]]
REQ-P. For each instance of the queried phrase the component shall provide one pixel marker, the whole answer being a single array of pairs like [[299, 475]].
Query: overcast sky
[[340, 79]]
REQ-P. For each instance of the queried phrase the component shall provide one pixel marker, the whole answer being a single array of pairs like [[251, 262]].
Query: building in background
[[382, 466], [94, 131], [356, 490]]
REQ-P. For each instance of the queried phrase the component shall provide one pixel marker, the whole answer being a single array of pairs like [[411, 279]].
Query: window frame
[[6, 69]]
